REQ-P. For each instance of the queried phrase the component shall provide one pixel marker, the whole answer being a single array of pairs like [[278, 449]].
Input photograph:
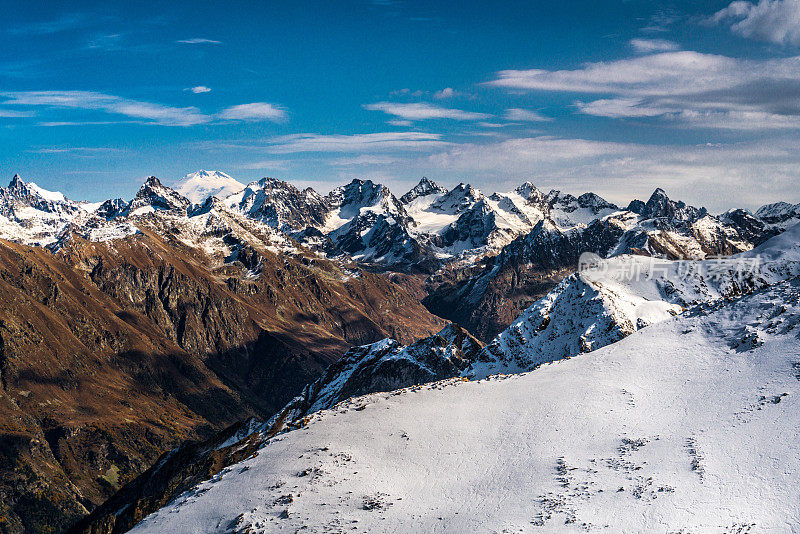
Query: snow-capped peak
[[19, 188], [200, 185], [424, 188], [529, 192], [153, 195]]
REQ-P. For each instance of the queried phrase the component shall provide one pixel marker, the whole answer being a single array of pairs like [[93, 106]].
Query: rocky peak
[[111, 208], [529, 192], [424, 188], [458, 199], [659, 205], [153, 195], [778, 212], [21, 194], [16, 183], [362, 192], [596, 202], [279, 204]]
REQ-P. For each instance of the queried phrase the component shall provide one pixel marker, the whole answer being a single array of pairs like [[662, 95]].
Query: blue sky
[[701, 98]]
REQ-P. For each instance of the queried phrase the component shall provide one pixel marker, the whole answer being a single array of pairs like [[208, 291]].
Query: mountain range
[[482, 258], [208, 318]]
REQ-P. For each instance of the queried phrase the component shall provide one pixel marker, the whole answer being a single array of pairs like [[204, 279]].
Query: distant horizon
[[699, 98], [622, 204]]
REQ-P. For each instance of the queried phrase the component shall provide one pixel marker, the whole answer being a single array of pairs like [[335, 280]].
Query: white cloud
[[424, 111], [147, 112], [198, 40], [523, 153], [10, 113], [681, 86], [378, 142], [657, 74], [271, 164], [526, 115], [447, 92], [399, 122], [88, 100], [199, 89], [66, 22], [648, 46], [255, 111], [622, 107], [775, 21], [366, 159]]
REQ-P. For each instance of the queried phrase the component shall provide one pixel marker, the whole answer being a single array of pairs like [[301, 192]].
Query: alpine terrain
[[689, 424], [151, 344]]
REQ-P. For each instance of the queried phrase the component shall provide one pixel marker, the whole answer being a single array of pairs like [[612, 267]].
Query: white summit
[[200, 185]]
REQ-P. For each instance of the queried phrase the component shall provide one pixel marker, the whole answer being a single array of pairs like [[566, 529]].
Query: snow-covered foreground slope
[[689, 425]]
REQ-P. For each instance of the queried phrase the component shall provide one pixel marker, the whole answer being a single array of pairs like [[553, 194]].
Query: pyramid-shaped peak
[[152, 181], [16, 182], [424, 188]]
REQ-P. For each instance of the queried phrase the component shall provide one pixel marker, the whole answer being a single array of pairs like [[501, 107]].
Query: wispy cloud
[[198, 89], [107, 42], [775, 21], [88, 100], [373, 142], [266, 164], [255, 111], [67, 22], [648, 46], [681, 86], [363, 160], [76, 150], [198, 40], [447, 92], [424, 111], [524, 115], [146, 112], [10, 113]]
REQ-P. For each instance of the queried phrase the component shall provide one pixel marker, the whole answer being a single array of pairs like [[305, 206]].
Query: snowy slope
[[200, 185], [382, 366], [780, 215], [690, 425], [612, 298]]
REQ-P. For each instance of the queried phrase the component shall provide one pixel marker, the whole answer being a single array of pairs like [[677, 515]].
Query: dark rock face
[[383, 366], [472, 227], [660, 206], [112, 208], [114, 353]]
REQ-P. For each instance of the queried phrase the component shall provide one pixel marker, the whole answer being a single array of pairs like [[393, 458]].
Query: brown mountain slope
[[112, 353]]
